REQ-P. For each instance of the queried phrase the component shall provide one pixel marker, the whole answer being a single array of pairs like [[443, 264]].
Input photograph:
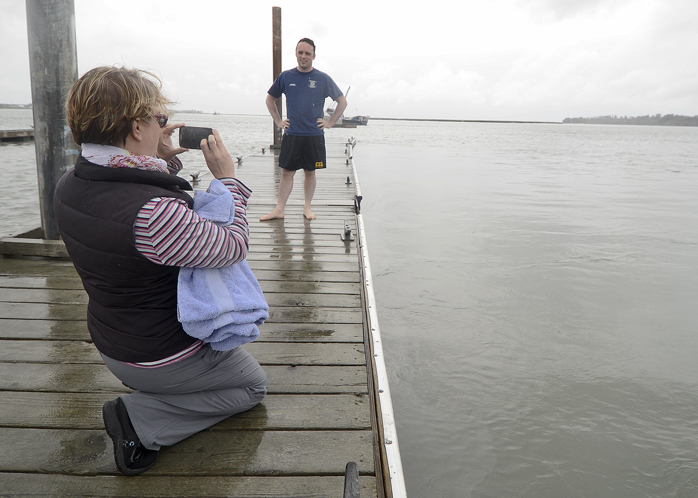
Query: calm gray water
[[536, 293]]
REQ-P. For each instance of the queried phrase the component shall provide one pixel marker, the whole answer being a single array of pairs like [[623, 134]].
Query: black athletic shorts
[[302, 152]]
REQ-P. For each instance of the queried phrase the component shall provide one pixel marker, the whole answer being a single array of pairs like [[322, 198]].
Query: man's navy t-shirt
[[305, 98]]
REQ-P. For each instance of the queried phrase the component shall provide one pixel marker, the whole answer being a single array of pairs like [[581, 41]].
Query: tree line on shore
[[657, 119]]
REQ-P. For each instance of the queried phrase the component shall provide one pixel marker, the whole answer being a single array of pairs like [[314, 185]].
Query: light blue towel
[[221, 306]]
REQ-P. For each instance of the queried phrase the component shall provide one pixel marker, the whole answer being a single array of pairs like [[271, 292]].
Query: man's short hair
[[308, 41]]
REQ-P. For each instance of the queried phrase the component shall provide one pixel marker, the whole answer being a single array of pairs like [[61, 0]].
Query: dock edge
[[393, 479]]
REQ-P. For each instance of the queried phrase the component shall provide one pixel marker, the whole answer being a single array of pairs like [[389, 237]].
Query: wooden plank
[[299, 314], [41, 282], [79, 297], [343, 262], [291, 275], [42, 410], [44, 329], [33, 247], [291, 353], [240, 452], [311, 332], [50, 311], [269, 281], [64, 268], [96, 378], [48, 296], [270, 331], [15, 351], [313, 300], [307, 265], [70, 486], [266, 353], [310, 287]]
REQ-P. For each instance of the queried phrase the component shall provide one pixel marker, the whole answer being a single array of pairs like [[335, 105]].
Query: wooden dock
[[16, 135], [323, 409]]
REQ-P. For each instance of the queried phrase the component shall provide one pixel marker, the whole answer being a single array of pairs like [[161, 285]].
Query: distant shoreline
[[463, 120], [656, 120]]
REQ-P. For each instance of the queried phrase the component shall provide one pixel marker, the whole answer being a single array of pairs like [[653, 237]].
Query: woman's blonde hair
[[105, 101]]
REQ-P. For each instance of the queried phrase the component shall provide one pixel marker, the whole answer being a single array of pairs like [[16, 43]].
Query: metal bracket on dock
[[346, 235], [351, 481]]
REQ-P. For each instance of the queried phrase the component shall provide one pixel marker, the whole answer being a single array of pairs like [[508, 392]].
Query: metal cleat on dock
[[346, 235], [351, 481]]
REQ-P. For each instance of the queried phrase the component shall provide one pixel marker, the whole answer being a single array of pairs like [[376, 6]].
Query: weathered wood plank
[[300, 314], [44, 329], [79, 297], [308, 265], [268, 280], [48, 296], [48, 352], [66, 486], [270, 331], [33, 247], [282, 275], [28, 282], [89, 452], [311, 332], [309, 287], [63, 268], [42, 410], [73, 312], [96, 378], [313, 300], [266, 353], [291, 353]]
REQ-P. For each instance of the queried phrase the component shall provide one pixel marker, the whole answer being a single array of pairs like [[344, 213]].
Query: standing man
[[303, 143]]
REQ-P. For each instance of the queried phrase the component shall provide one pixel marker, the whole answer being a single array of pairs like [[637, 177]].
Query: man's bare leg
[[285, 188], [309, 188]]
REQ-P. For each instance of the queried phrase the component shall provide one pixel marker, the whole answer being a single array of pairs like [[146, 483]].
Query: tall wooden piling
[[54, 69], [276, 51]]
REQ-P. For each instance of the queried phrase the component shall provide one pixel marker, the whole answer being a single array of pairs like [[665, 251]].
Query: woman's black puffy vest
[[132, 309]]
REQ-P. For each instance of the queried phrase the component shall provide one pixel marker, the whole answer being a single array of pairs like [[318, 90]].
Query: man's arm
[[341, 105], [271, 107]]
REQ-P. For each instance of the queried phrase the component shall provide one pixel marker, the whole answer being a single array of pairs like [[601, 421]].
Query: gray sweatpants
[[176, 401]]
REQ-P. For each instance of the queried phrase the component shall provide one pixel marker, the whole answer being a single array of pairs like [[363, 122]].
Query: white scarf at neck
[[116, 157]]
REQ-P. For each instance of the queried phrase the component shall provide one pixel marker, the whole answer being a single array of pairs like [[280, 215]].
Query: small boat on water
[[358, 120], [343, 122]]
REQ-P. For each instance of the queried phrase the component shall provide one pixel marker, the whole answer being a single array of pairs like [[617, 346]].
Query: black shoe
[[131, 456]]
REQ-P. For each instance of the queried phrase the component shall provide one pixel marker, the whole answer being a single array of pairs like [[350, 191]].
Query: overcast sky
[[540, 60]]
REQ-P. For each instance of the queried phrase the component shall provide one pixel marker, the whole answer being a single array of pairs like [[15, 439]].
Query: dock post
[[276, 50], [54, 69]]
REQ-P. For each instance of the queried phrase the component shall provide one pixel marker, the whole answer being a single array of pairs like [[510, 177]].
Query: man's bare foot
[[274, 215], [309, 215]]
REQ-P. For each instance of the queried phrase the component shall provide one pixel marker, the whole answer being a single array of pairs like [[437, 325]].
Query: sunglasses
[[161, 119]]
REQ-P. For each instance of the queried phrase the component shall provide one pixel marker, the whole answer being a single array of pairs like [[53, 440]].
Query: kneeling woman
[[128, 226]]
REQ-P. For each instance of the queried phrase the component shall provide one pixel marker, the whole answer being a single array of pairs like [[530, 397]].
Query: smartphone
[[190, 136]]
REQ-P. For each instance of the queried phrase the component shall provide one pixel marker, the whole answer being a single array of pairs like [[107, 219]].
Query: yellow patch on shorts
[[319, 165]]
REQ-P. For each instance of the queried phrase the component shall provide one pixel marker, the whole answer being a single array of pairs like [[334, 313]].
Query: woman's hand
[[218, 160], [166, 150]]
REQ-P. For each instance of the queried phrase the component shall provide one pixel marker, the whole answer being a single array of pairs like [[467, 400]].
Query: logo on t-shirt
[[312, 84]]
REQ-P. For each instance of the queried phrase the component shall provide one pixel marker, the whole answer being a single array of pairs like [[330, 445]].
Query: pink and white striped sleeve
[[169, 233]]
